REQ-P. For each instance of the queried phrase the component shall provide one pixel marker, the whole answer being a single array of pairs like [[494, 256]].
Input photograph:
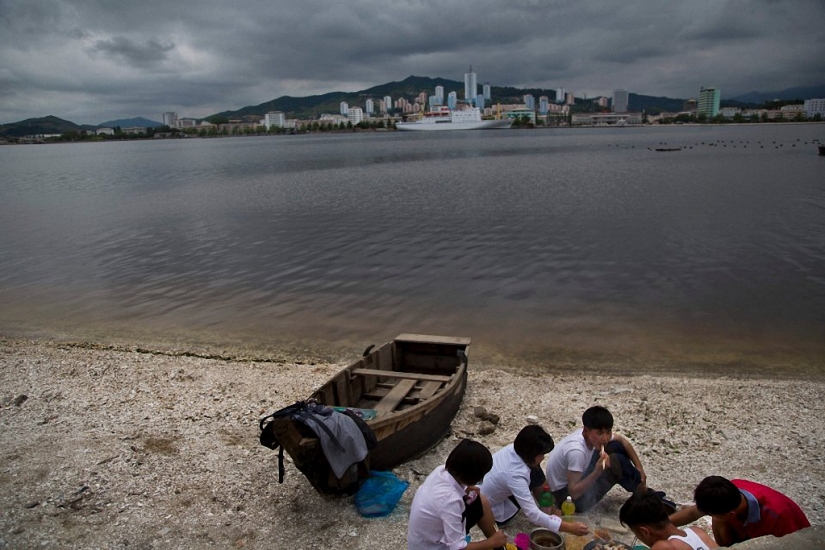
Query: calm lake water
[[547, 247]]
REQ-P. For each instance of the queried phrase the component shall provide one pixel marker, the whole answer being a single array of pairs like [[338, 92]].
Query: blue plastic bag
[[379, 494]]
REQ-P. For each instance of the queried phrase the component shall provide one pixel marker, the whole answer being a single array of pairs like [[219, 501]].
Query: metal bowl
[[545, 539]]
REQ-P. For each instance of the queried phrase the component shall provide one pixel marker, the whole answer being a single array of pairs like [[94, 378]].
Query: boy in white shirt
[[589, 461]]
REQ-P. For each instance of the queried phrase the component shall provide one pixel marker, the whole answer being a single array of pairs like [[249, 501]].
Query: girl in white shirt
[[448, 504]]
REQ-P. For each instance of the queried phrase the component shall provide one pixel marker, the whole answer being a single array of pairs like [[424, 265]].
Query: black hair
[[469, 461], [597, 418], [716, 496], [532, 441], [644, 508]]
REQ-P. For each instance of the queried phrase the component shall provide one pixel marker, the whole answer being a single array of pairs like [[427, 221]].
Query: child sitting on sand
[[742, 510], [516, 473], [448, 504], [589, 461], [645, 515]]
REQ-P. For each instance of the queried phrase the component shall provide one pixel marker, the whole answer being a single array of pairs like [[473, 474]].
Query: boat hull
[[409, 391], [445, 126], [415, 434]]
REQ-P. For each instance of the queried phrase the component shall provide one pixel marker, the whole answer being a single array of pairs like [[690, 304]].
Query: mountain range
[[54, 125], [313, 106]]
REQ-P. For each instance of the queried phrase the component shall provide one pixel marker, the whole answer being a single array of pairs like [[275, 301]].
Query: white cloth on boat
[[348, 447]]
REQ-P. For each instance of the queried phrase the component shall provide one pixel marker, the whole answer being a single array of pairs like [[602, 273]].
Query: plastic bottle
[[568, 508], [545, 497]]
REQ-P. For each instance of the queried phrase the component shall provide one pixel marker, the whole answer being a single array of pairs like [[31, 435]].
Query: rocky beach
[[115, 447]]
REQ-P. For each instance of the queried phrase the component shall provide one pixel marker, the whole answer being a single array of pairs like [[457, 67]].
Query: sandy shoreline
[[116, 448]]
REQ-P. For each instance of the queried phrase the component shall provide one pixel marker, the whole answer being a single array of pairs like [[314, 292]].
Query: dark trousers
[[473, 513], [621, 472]]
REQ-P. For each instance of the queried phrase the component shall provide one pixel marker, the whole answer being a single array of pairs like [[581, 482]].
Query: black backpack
[[268, 438]]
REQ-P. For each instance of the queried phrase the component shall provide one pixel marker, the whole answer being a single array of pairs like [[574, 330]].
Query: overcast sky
[[90, 61]]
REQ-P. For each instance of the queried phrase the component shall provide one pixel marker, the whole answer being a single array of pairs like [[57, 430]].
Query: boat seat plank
[[428, 339], [402, 375], [394, 397], [428, 389]]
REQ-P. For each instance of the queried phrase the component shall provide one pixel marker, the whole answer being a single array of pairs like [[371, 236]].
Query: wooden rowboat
[[408, 391]]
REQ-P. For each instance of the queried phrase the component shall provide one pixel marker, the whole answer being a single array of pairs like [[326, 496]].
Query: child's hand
[[579, 529], [498, 539], [574, 528]]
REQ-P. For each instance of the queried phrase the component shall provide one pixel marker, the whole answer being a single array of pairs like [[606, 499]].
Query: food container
[[576, 542], [545, 539]]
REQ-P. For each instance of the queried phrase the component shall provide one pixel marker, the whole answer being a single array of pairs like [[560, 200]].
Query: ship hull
[[445, 126]]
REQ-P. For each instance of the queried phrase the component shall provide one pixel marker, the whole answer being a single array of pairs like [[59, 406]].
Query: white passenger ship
[[446, 119]]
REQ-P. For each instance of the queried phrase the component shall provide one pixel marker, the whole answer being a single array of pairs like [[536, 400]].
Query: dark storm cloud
[[138, 55], [91, 60]]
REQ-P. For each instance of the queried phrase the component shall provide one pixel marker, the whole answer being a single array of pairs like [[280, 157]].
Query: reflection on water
[[547, 247]]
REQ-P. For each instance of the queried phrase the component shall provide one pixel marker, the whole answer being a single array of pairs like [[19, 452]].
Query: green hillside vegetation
[[45, 125]]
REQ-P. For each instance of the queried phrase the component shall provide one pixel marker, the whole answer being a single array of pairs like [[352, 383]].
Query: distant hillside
[[654, 105], [138, 122], [759, 98], [44, 125], [312, 106]]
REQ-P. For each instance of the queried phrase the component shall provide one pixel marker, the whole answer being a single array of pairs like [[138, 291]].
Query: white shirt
[[435, 514], [692, 539], [510, 475], [571, 454]]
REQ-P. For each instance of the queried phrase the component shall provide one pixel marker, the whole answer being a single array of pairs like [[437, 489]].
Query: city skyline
[[95, 62]]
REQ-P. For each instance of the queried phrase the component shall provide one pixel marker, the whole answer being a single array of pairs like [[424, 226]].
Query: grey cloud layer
[[111, 59]]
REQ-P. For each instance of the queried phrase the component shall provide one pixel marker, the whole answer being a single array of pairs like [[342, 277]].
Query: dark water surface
[[548, 247]]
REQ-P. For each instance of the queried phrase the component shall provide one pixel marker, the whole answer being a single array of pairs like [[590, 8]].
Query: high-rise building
[[344, 108], [370, 107], [814, 107], [708, 103], [530, 102], [355, 115], [560, 95], [569, 99], [170, 119], [439, 93], [387, 103], [480, 101], [620, 101], [452, 100], [470, 86], [274, 118], [486, 91], [544, 103]]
